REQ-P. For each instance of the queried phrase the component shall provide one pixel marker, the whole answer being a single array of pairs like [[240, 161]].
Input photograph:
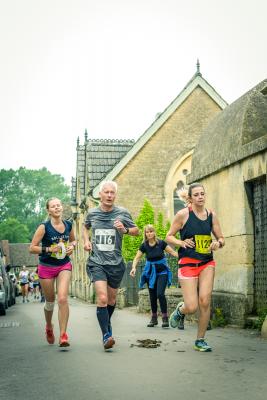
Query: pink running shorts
[[45, 272]]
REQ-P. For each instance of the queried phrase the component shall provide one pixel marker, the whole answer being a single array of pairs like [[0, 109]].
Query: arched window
[[177, 203]]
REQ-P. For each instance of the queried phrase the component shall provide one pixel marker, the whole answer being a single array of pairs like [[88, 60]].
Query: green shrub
[[218, 318], [257, 324], [147, 216]]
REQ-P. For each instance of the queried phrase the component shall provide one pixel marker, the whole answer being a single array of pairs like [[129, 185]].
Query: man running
[[105, 266]]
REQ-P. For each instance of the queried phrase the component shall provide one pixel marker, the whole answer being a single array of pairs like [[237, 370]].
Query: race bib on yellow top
[[203, 243], [62, 252], [105, 239]]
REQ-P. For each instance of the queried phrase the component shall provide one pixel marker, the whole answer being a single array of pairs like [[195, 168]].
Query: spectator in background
[[36, 284], [24, 283]]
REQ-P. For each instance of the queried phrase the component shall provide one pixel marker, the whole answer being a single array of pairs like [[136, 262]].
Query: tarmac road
[[32, 369]]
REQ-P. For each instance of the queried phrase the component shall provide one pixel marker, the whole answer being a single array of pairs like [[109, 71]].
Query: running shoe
[[108, 341], [50, 337], [153, 322], [177, 318], [201, 345], [64, 340]]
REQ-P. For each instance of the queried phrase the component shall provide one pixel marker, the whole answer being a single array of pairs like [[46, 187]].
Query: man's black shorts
[[113, 274]]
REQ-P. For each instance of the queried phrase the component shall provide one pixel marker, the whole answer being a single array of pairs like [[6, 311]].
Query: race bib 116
[[105, 239]]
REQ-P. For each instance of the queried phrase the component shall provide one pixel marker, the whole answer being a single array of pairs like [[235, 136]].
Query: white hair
[[106, 183]]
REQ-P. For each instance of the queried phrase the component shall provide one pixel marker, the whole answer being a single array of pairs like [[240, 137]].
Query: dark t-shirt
[[154, 253]]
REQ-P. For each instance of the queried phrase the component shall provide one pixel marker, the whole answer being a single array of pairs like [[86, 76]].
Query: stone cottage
[[230, 159]]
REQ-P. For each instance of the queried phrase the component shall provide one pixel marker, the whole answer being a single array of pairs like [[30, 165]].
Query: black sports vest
[[50, 239], [200, 231]]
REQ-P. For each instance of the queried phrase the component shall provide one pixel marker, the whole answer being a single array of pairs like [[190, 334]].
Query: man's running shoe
[[201, 345], [50, 337], [108, 341], [64, 340], [177, 318]]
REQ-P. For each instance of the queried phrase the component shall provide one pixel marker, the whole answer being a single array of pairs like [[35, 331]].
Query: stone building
[[230, 160], [151, 168], [199, 138]]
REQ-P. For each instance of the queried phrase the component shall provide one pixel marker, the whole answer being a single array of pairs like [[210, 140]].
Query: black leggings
[[158, 292]]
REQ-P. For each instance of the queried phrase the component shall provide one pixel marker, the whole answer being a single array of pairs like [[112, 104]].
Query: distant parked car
[[2, 297], [8, 284], [15, 283], [12, 284], [5, 282]]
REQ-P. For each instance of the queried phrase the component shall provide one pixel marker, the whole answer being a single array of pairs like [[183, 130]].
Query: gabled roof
[[102, 156], [95, 158], [197, 80]]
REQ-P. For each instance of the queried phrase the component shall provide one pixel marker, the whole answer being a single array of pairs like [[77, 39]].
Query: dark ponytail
[[193, 186]]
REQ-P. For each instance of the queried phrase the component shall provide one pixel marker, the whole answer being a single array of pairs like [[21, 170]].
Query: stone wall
[[173, 296], [234, 307]]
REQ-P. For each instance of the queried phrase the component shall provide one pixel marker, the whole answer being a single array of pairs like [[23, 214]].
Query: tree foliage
[[147, 216], [24, 193], [14, 231]]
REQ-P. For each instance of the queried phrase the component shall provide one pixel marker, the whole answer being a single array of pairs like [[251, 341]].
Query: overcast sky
[[111, 65]]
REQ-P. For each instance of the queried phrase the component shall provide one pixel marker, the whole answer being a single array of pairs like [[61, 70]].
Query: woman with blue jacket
[[156, 272]]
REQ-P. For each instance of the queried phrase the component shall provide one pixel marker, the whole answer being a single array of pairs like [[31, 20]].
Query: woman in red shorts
[[196, 264], [54, 241]]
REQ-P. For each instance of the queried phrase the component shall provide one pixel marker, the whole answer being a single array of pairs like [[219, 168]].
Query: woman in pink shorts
[[54, 241], [196, 224]]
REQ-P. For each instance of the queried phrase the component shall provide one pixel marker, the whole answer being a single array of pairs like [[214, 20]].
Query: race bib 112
[[203, 243]]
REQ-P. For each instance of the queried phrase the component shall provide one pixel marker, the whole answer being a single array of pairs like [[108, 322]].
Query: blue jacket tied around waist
[[149, 273]]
